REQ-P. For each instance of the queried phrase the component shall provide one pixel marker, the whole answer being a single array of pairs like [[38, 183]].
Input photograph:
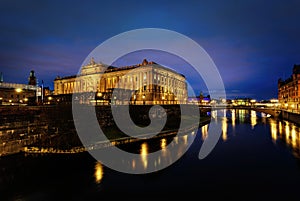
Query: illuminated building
[[289, 90], [14, 93], [145, 83]]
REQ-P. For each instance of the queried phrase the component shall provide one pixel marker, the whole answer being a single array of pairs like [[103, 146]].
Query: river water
[[257, 157]]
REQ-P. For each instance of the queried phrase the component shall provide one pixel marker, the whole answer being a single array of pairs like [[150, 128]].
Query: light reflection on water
[[253, 119], [144, 153], [98, 172], [279, 130], [286, 132], [190, 168]]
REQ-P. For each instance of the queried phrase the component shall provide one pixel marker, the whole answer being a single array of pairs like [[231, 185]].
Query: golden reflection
[[98, 172], [253, 119], [280, 128], [233, 118], [144, 153], [287, 132], [241, 115], [163, 144], [204, 131], [185, 139], [290, 134], [224, 129], [294, 137], [273, 130]]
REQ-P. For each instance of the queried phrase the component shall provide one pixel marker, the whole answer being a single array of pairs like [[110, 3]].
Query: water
[[257, 157]]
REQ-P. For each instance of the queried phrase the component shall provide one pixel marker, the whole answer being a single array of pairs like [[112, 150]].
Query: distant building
[[145, 83], [14, 93], [289, 90]]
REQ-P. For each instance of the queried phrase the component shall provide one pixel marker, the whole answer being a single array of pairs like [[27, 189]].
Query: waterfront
[[257, 156]]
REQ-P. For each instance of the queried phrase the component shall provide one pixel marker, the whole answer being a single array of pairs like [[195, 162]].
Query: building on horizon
[[289, 91], [144, 83], [15, 93]]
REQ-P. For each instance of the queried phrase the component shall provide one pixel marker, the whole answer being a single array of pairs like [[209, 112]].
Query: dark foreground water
[[256, 158]]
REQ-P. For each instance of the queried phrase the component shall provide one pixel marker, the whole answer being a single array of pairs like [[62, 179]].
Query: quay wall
[[52, 126]]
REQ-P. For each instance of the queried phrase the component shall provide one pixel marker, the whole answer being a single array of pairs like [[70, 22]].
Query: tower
[[32, 78]]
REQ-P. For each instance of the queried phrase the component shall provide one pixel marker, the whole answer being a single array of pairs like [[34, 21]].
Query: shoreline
[[27, 150]]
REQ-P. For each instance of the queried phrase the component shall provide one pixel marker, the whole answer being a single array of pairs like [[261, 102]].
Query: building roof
[[93, 64], [296, 69]]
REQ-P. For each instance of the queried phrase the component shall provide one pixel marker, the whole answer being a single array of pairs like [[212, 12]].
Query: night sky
[[253, 43]]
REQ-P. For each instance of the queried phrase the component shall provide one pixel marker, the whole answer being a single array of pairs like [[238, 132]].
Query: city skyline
[[253, 44]]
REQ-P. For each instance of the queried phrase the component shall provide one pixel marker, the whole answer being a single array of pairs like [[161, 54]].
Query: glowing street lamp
[[18, 90]]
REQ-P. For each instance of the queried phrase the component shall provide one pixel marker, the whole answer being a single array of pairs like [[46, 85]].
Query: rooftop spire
[[145, 62], [1, 77]]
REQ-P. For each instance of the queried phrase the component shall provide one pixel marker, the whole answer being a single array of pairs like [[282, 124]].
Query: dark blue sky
[[253, 43]]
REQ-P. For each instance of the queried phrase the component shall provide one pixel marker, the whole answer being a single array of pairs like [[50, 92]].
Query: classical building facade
[[145, 83], [289, 90]]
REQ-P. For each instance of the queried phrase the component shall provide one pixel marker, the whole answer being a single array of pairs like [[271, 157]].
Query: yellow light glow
[[99, 94], [273, 130], [204, 131], [280, 128], [25, 99], [294, 137], [144, 153], [233, 118], [49, 98], [163, 143], [224, 129], [253, 119], [185, 139], [287, 132], [274, 100], [18, 90], [98, 172]]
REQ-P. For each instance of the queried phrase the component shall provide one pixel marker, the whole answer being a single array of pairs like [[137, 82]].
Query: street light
[[18, 90]]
